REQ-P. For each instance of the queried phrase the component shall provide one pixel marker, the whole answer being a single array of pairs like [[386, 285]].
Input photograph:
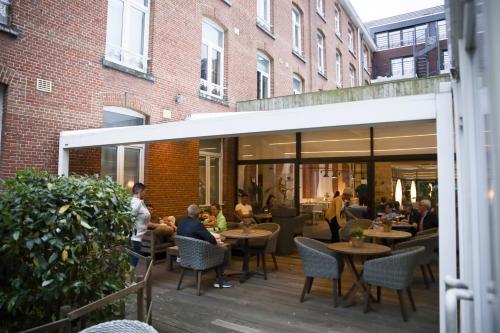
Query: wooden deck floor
[[273, 305]]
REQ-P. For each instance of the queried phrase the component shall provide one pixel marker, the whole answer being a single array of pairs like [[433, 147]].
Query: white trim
[[338, 31], [264, 74], [320, 7], [297, 77], [320, 51], [210, 48], [338, 68], [262, 13], [297, 13], [220, 156]]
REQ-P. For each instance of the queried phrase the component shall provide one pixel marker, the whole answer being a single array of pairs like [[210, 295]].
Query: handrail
[[49, 327]]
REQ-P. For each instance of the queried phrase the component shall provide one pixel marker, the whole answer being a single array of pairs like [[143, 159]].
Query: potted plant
[[357, 237], [387, 225]]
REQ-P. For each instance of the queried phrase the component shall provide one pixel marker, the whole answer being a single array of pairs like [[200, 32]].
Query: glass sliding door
[[131, 167]]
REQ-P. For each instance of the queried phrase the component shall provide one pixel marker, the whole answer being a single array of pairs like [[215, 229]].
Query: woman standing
[[335, 214], [142, 217]]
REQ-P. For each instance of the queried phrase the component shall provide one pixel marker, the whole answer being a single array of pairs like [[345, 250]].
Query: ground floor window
[[210, 166]]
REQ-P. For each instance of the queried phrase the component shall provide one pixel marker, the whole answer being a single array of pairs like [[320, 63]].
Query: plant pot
[[387, 228], [357, 241]]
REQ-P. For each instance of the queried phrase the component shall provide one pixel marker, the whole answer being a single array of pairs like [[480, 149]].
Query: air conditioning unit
[[4, 12]]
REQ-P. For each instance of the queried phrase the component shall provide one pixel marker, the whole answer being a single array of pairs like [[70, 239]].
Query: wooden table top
[[252, 233], [368, 249], [263, 215], [393, 234]]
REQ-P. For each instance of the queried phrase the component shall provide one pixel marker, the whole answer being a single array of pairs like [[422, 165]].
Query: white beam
[[316, 117], [63, 165]]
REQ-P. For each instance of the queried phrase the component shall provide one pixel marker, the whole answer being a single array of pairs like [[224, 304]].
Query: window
[[445, 60], [408, 36], [297, 84], [416, 138], [321, 52], [5, 12], [128, 33], [350, 36], [337, 22], [352, 76], [263, 76], [210, 165], [266, 147], [395, 38], [212, 59], [365, 58], [320, 7], [336, 143], [403, 67], [381, 40], [264, 14], [124, 164], [338, 69], [297, 29], [420, 33], [442, 29]]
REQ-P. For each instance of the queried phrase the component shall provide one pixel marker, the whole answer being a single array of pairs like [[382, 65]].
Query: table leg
[[348, 299]]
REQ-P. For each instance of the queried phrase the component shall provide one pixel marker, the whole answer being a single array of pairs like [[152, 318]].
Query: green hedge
[[62, 243]]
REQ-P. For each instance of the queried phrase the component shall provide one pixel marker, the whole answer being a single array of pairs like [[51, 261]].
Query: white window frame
[[210, 48], [120, 149], [352, 75], [264, 14], [297, 29], [207, 156], [338, 69], [124, 42], [298, 78], [441, 26], [320, 7], [350, 37], [365, 58], [320, 48], [402, 64], [5, 6], [264, 74], [382, 40], [338, 31]]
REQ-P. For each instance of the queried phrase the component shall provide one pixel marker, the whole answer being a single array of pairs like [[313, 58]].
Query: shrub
[[62, 244]]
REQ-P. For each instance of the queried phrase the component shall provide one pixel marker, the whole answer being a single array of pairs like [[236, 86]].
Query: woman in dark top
[[270, 203]]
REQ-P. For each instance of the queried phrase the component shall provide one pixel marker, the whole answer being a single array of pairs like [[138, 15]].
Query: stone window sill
[[212, 99], [128, 70], [299, 55], [8, 29], [321, 15], [228, 2], [323, 75], [265, 29]]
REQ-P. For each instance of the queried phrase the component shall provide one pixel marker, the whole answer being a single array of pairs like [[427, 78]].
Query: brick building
[[410, 45], [105, 63]]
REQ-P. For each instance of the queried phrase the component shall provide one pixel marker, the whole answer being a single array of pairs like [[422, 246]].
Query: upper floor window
[[264, 13], [297, 29], [337, 22], [350, 36], [445, 60], [320, 7], [352, 76], [442, 29], [365, 58], [381, 40], [263, 76], [212, 59], [5, 12], [408, 36], [338, 68], [403, 67], [395, 38], [128, 33], [420, 33], [297, 84], [320, 44]]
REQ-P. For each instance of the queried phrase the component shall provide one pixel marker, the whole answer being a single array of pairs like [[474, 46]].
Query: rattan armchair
[[319, 261], [393, 272], [198, 255], [263, 246]]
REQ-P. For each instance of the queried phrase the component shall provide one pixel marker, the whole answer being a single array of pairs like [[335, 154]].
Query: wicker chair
[[393, 272], [199, 256], [261, 246], [430, 231], [345, 232], [430, 242], [319, 261], [121, 326]]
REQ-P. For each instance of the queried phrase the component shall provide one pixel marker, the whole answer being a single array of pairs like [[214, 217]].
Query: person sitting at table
[[411, 215], [216, 222], [389, 213], [192, 227], [243, 210], [270, 203], [381, 205], [163, 227], [427, 219], [335, 215]]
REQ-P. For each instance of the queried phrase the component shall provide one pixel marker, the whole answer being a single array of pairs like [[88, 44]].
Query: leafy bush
[[62, 244]]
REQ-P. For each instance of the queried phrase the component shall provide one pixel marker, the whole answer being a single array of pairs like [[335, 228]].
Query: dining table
[[263, 217], [366, 251], [245, 235], [389, 236]]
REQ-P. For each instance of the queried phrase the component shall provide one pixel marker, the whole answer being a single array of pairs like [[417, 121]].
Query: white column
[[446, 182], [63, 165]]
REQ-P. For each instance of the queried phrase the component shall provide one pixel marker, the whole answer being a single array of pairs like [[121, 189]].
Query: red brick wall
[[85, 161]]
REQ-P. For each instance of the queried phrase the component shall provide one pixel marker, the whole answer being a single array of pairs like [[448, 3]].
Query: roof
[[405, 17]]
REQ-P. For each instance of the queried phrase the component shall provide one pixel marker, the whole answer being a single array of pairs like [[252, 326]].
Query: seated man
[[192, 227], [216, 222], [244, 210], [411, 214], [389, 213], [428, 219]]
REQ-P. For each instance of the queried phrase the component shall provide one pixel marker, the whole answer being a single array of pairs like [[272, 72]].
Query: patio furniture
[[368, 250], [298, 225], [153, 244], [393, 272], [390, 236], [429, 242], [319, 261], [121, 326], [287, 219], [427, 232], [198, 255], [240, 234], [173, 254], [345, 232], [262, 246]]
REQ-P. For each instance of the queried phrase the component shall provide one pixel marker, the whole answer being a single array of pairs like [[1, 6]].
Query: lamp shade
[[413, 192], [398, 194]]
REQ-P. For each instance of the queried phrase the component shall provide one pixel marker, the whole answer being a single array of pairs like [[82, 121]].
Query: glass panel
[[336, 143], [135, 37], [420, 33], [114, 29], [297, 85], [259, 85], [132, 158], [418, 181], [408, 35], [442, 29], [203, 180], [262, 64], [408, 67], [214, 179], [382, 41], [262, 180], [211, 146], [212, 35], [265, 87], [113, 119], [417, 138], [216, 61], [396, 67], [266, 147], [108, 162], [204, 62], [395, 38]]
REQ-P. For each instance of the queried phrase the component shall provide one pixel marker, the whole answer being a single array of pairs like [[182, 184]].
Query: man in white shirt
[[244, 210], [142, 217]]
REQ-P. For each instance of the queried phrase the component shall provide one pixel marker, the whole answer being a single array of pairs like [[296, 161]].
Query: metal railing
[[68, 316]]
